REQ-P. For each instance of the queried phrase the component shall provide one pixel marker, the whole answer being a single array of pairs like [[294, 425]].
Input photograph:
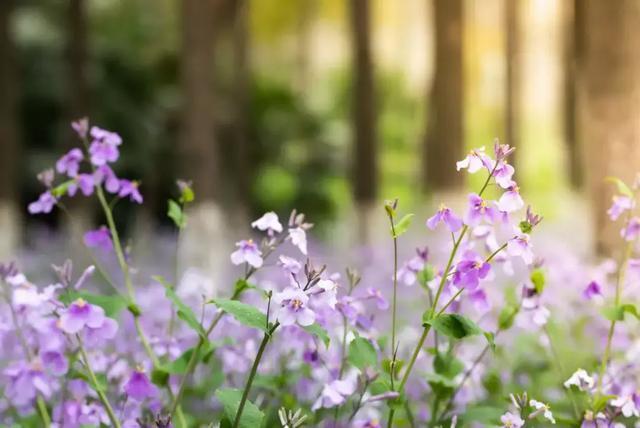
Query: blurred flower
[[475, 161], [247, 252], [541, 408], [619, 206], [99, 238], [335, 393], [81, 314], [519, 246], [43, 205], [70, 163], [130, 188], [81, 126], [592, 290], [470, 270], [139, 387], [631, 231], [581, 380], [479, 210], [511, 200], [299, 238], [510, 420], [268, 222]]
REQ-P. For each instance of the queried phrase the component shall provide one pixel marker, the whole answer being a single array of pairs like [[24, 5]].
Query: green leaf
[[387, 363], [230, 399], [621, 185], [538, 280], [426, 275], [483, 414], [600, 402], [402, 226], [318, 332], [176, 214], [160, 376], [447, 365], [187, 195], [616, 313], [179, 365], [507, 316], [112, 305], [61, 189], [454, 325], [245, 314], [185, 313], [362, 353], [440, 384]]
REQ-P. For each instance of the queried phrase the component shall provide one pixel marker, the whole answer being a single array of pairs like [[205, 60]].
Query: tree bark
[[444, 142], [610, 97], [9, 147], [365, 145], [513, 81]]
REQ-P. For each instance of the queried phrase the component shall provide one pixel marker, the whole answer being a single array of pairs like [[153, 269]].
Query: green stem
[[395, 287], [94, 381], [252, 374], [561, 371]]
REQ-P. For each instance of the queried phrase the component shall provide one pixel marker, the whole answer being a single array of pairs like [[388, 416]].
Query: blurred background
[[327, 106]]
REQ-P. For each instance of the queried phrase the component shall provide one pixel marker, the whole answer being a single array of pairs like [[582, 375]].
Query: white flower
[[544, 408], [626, 405], [299, 238], [510, 420], [581, 380], [269, 222]]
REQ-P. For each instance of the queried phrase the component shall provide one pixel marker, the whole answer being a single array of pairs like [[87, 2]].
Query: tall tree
[[512, 61], [365, 145], [201, 242], [9, 148], [444, 143], [610, 98], [572, 53]]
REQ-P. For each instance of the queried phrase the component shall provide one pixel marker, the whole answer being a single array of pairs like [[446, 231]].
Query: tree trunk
[[444, 144], [573, 30], [610, 114], [365, 145], [9, 156], [513, 81], [202, 242]]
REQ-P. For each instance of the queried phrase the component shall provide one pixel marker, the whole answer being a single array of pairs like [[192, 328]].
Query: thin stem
[[252, 374], [561, 371], [92, 377], [395, 284]]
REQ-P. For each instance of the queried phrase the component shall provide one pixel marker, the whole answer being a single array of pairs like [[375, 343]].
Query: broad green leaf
[[616, 313], [318, 332], [454, 325], [538, 280], [386, 366], [447, 365], [403, 225], [362, 353], [112, 305], [245, 314], [179, 365], [185, 313], [186, 195], [441, 385], [600, 402], [426, 275], [621, 185], [230, 399], [160, 376], [483, 414], [176, 214]]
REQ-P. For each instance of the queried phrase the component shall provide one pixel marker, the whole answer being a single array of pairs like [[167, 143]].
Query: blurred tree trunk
[[308, 11], [610, 105], [513, 81], [198, 149], [572, 52], [444, 142], [9, 148], [365, 145], [80, 209]]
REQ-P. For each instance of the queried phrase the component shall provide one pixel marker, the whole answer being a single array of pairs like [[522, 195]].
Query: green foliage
[[507, 316], [616, 313], [230, 398], [620, 185], [112, 305], [185, 313], [402, 226], [175, 213], [245, 314], [538, 279], [455, 326], [362, 354], [318, 332]]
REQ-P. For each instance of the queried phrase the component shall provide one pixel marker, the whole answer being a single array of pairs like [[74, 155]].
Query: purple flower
[[268, 222], [519, 246], [480, 300], [289, 265], [103, 153], [98, 335], [84, 182], [619, 206], [511, 200], [480, 209], [247, 252], [502, 151], [25, 382], [592, 290], [408, 272], [70, 162], [81, 314], [335, 393], [81, 126], [475, 161], [44, 204], [105, 174], [55, 362], [99, 238], [130, 189], [470, 270], [503, 174], [46, 177], [445, 215], [139, 387], [377, 297], [631, 230], [293, 307], [511, 420]]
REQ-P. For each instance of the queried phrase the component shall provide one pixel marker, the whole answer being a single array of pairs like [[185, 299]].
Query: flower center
[[80, 302], [295, 304]]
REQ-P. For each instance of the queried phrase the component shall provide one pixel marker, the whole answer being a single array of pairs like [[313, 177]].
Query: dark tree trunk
[[610, 98], [444, 144], [365, 148], [9, 147], [78, 86], [198, 145], [512, 92], [573, 30]]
